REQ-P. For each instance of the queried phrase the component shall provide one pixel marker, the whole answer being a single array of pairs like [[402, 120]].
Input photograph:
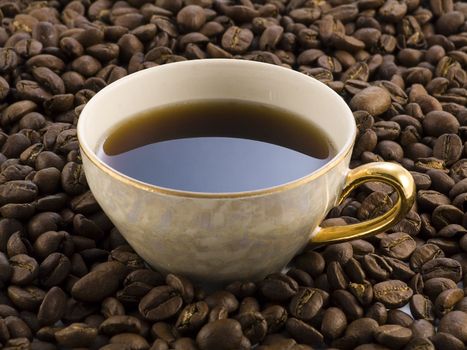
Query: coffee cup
[[222, 237]]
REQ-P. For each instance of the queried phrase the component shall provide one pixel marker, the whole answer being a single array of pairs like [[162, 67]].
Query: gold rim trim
[[91, 156]]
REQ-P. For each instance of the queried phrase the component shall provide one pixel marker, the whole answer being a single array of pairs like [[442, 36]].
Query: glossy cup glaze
[[220, 237]]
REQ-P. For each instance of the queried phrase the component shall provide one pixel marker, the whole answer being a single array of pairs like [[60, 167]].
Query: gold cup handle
[[389, 173]]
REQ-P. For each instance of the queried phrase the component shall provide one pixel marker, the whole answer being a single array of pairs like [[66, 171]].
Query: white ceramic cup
[[221, 237]]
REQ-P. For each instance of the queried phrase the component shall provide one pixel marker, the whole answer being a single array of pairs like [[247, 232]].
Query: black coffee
[[216, 146]]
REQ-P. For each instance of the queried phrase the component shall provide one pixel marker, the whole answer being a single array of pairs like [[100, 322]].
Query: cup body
[[217, 237]]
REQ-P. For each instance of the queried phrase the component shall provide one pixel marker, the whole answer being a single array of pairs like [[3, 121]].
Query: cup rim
[[96, 161]]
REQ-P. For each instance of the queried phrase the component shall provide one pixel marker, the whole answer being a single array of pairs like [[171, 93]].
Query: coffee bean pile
[[69, 280]]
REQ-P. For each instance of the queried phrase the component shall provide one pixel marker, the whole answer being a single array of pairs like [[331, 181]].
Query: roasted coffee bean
[[182, 285], [390, 150], [17, 110], [400, 270], [31, 90], [112, 307], [304, 333], [449, 23], [163, 331], [398, 245], [458, 188], [448, 246], [120, 324], [18, 191], [18, 343], [4, 88], [128, 44], [444, 244], [362, 291], [361, 248], [354, 271], [77, 311], [218, 313], [254, 326], [8, 60], [334, 323], [110, 272], [302, 277], [440, 181], [47, 180], [336, 276], [346, 42], [26, 298], [53, 307], [129, 340], [185, 343], [434, 286], [160, 303], [54, 269], [306, 304], [445, 215], [192, 317], [48, 159], [340, 252], [270, 37], [463, 242], [275, 317], [241, 289], [376, 267], [146, 276], [399, 317], [18, 244], [420, 343], [51, 241], [356, 76], [191, 18], [76, 335], [446, 300], [426, 226], [437, 123], [422, 307], [454, 323], [440, 7], [348, 303], [430, 199], [442, 267], [423, 254], [222, 299], [17, 327], [5, 268], [447, 340], [392, 293], [359, 331], [237, 40], [279, 287], [422, 329], [448, 147], [387, 130], [24, 269], [221, 334], [43, 222], [452, 230], [374, 100], [49, 80], [378, 312], [125, 255], [457, 170]]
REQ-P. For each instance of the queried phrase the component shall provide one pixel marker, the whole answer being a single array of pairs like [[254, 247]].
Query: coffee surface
[[216, 146]]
